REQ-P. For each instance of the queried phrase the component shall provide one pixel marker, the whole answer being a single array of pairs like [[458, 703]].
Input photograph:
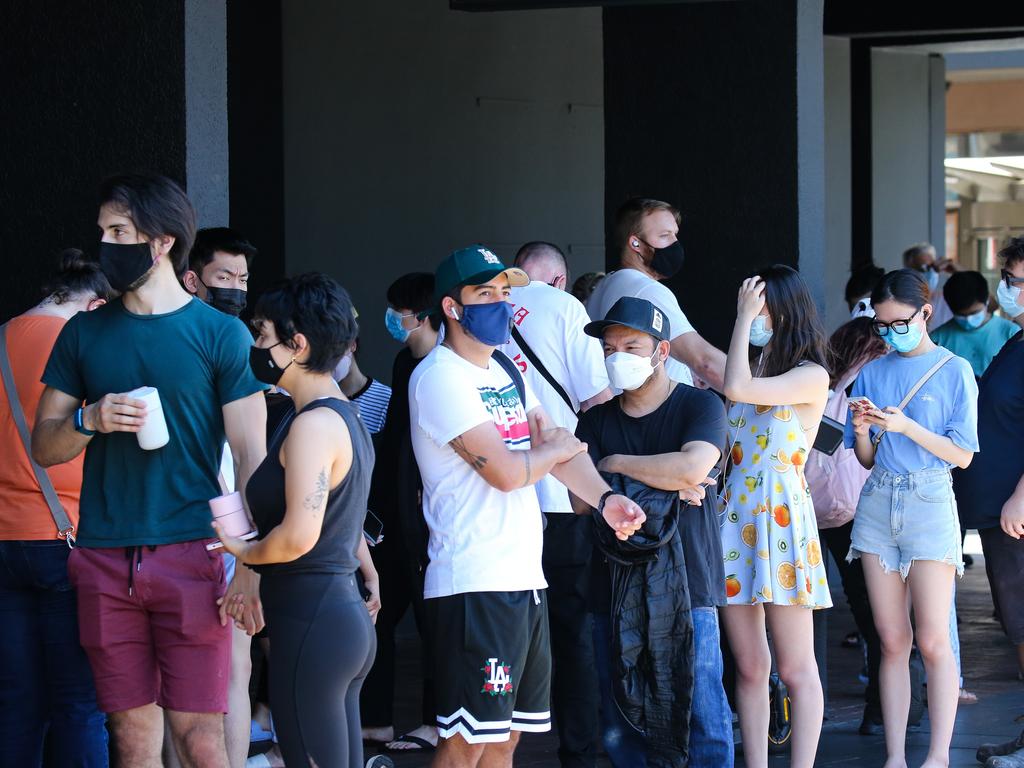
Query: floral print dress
[[769, 534]]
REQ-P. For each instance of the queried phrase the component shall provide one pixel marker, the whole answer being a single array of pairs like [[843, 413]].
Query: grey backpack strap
[[914, 390], [65, 529]]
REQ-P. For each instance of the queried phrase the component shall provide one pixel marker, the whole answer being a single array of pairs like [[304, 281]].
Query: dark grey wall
[[88, 89], [702, 108]]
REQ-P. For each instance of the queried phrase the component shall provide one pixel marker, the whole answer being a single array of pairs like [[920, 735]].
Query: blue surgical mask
[[970, 322], [905, 342], [489, 324], [759, 335], [393, 322], [1007, 296], [931, 277]]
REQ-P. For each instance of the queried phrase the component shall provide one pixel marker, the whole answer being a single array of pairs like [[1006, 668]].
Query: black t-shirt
[[688, 415], [983, 488]]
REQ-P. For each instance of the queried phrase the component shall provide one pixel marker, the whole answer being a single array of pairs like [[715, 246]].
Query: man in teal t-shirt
[[148, 587], [974, 333]]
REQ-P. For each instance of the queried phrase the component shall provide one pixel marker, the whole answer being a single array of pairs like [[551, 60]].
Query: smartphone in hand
[[864, 406]]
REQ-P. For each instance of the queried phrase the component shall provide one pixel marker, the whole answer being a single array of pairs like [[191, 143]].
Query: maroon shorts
[[149, 624]]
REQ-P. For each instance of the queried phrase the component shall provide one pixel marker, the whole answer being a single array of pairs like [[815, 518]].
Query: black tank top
[[335, 550]]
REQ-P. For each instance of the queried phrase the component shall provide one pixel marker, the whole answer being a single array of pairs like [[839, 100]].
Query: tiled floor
[[988, 663]]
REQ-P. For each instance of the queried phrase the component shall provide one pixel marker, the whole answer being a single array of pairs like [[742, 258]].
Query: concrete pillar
[[719, 108]]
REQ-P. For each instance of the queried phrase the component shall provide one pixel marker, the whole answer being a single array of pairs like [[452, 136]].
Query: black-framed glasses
[[897, 326], [1008, 277]]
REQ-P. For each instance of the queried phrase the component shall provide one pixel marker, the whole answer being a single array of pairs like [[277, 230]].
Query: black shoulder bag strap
[[65, 529], [532, 357], [510, 368]]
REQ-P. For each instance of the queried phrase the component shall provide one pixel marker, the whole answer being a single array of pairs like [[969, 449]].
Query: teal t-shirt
[[198, 359], [979, 345]]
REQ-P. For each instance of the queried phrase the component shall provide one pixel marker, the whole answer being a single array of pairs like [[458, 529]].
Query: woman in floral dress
[[773, 557]]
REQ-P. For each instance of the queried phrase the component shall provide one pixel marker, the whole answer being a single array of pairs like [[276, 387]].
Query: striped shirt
[[373, 401]]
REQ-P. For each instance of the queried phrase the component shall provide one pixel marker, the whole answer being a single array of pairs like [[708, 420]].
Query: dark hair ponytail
[[905, 286], [77, 275]]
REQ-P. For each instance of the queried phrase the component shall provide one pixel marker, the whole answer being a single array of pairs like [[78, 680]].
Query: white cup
[[153, 434]]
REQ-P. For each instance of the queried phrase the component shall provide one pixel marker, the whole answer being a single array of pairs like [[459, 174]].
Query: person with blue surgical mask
[[923, 258], [401, 557], [973, 333], [914, 416]]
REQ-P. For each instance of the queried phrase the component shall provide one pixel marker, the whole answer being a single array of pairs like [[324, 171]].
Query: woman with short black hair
[[309, 500]]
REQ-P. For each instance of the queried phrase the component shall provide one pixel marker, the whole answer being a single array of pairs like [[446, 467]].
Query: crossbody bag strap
[[65, 529], [510, 368], [913, 391], [541, 369]]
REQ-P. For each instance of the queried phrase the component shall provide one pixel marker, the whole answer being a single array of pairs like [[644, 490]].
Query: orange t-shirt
[[24, 514]]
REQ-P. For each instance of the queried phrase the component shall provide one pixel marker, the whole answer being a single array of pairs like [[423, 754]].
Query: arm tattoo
[[476, 461], [526, 458], [315, 499]]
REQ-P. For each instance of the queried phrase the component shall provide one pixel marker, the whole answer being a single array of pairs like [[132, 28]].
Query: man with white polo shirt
[[565, 368], [482, 441], [647, 239]]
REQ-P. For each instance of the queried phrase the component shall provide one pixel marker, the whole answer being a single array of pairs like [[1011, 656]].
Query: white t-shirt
[[633, 282], [481, 539], [551, 321]]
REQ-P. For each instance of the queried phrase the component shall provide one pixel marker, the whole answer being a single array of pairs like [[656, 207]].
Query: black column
[[88, 89], [718, 108]]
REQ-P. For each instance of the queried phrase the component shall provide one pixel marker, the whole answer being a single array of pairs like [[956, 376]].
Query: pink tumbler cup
[[230, 513]]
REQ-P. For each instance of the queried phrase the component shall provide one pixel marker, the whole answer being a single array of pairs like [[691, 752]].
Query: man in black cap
[[668, 436], [481, 442]]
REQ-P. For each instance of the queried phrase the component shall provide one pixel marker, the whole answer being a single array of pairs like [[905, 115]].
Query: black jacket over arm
[[652, 630]]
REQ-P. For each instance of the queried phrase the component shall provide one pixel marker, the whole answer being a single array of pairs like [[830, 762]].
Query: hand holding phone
[[864, 406]]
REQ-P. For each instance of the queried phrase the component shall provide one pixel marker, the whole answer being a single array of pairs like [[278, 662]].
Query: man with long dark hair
[[148, 585]]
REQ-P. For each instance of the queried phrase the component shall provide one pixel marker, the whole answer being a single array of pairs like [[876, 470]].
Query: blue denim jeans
[[47, 698], [711, 743]]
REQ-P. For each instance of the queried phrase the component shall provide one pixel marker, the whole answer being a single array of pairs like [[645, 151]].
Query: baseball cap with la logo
[[474, 265]]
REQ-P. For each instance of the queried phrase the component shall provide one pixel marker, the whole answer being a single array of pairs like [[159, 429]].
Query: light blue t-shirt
[[946, 405], [978, 345]]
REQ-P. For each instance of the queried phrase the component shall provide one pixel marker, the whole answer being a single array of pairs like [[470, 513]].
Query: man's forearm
[[55, 441], [581, 477], [664, 471]]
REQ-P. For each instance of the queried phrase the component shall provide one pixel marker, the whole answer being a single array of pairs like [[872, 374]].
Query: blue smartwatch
[[80, 424]]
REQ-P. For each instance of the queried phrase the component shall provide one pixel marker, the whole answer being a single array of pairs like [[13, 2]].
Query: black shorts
[[1004, 563], [492, 664]]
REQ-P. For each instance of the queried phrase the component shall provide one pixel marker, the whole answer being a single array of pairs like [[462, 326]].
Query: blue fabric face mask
[[393, 322], [487, 323], [759, 335], [970, 322], [904, 342]]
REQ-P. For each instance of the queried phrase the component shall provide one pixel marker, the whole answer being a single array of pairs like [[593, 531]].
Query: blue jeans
[[711, 744], [47, 696]]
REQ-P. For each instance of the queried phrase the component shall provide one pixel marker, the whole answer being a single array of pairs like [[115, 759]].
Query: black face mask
[[263, 366], [667, 261], [230, 301], [124, 264]]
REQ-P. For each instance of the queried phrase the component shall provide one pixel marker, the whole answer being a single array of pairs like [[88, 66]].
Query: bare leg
[[792, 631], [236, 721], [931, 589], [199, 738], [456, 752], [745, 628], [499, 755], [138, 734], [888, 595]]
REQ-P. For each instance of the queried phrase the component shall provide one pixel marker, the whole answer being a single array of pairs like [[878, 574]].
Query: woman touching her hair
[[913, 417], [769, 537]]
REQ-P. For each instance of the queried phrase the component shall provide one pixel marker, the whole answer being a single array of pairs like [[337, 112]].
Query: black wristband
[[603, 499], [80, 423]]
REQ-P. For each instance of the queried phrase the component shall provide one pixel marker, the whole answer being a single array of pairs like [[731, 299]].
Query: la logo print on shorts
[[497, 678]]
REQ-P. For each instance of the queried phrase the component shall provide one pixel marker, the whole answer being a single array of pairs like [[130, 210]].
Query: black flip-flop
[[422, 745]]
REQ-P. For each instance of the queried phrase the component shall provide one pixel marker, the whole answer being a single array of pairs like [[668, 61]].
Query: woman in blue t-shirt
[[906, 527]]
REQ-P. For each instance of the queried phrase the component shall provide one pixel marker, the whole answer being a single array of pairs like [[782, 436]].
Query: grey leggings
[[321, 648]]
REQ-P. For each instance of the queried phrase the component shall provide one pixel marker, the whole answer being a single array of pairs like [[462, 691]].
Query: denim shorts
[[903, 518]]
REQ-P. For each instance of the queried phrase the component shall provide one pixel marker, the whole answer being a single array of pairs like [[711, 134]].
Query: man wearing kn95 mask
[[668, 436]]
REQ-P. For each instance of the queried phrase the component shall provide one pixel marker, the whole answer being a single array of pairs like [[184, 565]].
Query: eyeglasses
[[897, 326], [1010, 279]]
